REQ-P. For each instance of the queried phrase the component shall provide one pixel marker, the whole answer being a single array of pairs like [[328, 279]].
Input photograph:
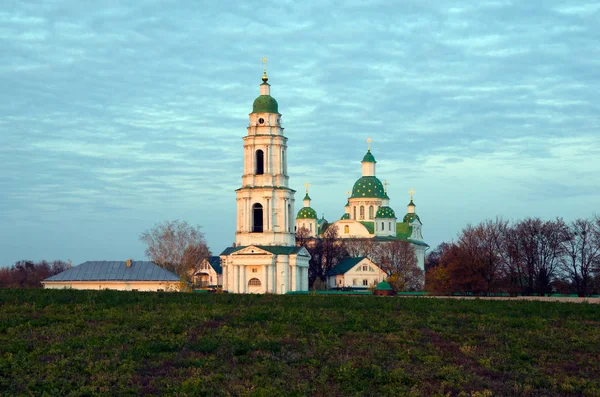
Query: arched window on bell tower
[[260, 162], [257, 218]]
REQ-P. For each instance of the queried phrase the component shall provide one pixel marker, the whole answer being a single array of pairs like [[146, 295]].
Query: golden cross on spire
[[264, 77], [385, 185], [369, 143], [306, 185], [411, 192]]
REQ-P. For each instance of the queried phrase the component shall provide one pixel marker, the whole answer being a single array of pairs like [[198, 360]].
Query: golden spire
[[264, 76], [411, 192], [306, 185], [369, 143], [385, 185]]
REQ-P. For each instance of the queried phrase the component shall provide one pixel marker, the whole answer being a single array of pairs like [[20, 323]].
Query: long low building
[[117, 275]]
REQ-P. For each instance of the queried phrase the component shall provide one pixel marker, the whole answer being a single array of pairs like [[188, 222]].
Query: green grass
[[106, 342]]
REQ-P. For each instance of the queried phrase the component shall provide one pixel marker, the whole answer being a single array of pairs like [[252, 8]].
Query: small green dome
[[369, 158], [368, 187], [345, 216], [383, 286], [265, 104], [385, 212], [307, 197], [307, 213], [411, 217]]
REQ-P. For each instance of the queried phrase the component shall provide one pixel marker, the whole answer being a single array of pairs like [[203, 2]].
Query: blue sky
[[119, 116]]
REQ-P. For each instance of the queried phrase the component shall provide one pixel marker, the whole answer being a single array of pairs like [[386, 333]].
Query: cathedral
[[264, 258]]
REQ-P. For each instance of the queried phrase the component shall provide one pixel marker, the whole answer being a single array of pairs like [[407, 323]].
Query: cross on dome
[[385, 185], [306, 185], [369, 143], [411, 192], [264, 62]]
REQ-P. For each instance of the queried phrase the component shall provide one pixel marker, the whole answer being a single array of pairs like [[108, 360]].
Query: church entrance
[[257, 218], [254, 286]]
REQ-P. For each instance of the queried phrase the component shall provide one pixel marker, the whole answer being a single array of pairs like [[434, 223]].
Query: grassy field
[[104, 342]]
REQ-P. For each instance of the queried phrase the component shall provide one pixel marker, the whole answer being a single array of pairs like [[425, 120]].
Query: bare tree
[[176, 246], [398, 260], [581, 254]]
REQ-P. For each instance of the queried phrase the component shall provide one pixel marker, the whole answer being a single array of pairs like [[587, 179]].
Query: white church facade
[[265, 258]]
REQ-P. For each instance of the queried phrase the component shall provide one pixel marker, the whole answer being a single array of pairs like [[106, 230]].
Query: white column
[[266, 277], [273, 278], [244, 280], [294, 279]]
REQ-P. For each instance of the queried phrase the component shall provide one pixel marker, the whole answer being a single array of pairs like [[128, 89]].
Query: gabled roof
[[215, 263], [345, 265], [115, 271], [274, 249]]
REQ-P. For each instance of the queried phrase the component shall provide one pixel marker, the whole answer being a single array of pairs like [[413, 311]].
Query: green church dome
[[265, 104], [369, 158], [385, 212], [345, 216], [368, 187], [411, 217], [307, 213]]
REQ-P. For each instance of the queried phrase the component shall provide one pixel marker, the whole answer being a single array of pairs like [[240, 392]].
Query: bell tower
[[265, 203]]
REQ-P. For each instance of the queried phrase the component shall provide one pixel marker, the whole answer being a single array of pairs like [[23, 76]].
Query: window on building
[[371, 269], [257, 218], [370, 212], [354, 281], [340, 281], [354, 212], [365, 282], [310, 226], [365, 268], [254, 270], [382, 226], [260, 162], [254, 282], [389, 225], [346, 229], [362, 212]]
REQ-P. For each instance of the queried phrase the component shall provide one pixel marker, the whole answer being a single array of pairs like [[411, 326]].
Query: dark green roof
[[368, 187], [411, 217], [345, 216], [215, 263], [369, 158], [344, 266], [383, 286], [412, 204], [307, 213], [274, 249], [385, 212], [265, 104], [370, 226], [307, 197]]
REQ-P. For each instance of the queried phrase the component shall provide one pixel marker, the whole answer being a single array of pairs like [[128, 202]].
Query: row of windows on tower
[[362, 212], [259, 161]]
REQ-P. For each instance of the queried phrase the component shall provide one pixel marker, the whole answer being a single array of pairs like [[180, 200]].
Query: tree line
[[28, 274], [529, 257]]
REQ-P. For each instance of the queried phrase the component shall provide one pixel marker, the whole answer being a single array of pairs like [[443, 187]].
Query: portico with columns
[[264, 258]]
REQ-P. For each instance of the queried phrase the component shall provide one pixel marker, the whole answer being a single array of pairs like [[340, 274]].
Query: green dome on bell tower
[[265, 103]]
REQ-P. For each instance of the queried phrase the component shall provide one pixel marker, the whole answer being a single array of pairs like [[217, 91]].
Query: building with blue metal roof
[[118, 275]]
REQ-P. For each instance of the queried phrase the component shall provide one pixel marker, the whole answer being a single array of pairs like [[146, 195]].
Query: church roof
[[265, 104], [115, 271], [369, 158], [274, 249], [411, 217], [369, 225], [215, 263], [307, 213], [344, 266], [345, 216], [368, 187], [385, 212], [383, 286]]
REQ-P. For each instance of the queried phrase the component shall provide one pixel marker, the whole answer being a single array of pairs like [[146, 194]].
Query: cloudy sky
[[119, 116]]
